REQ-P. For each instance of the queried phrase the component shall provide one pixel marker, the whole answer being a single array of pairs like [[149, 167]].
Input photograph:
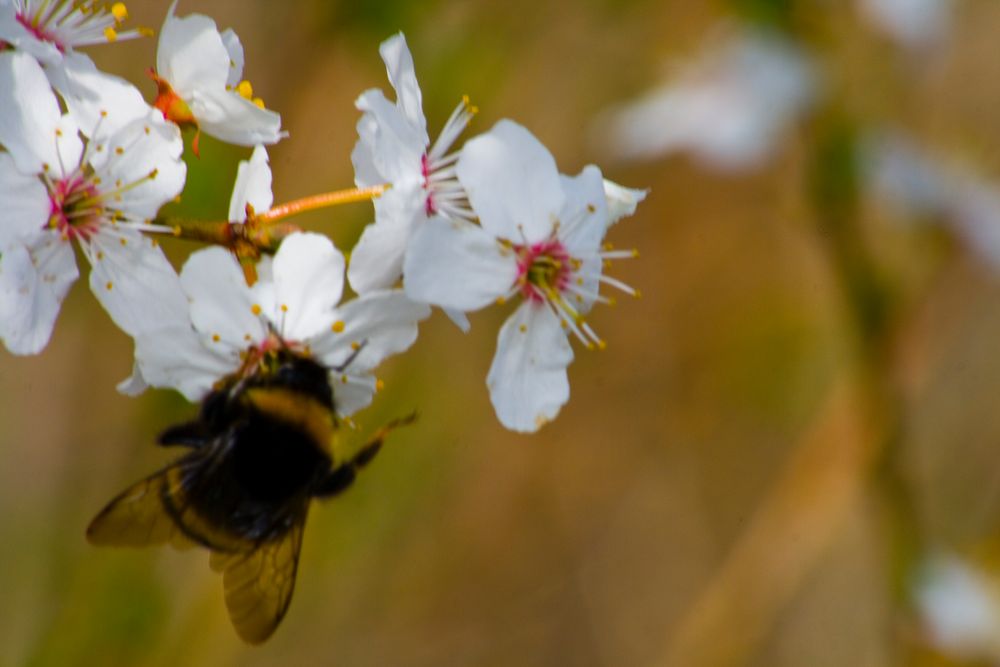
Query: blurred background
[[788, 455]]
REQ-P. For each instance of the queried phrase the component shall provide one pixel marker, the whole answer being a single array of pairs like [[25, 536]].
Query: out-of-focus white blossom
[[56, 189], [911, 23], [969, 204], [960, 606], [393, 148], [729, 107], [198, 72]]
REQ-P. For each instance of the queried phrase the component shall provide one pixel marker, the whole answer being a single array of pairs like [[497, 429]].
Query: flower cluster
[[88, 162]]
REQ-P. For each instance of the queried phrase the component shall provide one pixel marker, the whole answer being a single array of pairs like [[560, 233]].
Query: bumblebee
[[260, 451]]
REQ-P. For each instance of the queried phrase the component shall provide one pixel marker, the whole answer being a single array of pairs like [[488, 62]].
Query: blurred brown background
[[711, 493]]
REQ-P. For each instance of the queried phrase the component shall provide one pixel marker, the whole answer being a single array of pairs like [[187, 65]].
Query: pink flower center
[[543, 268], [425, 168], [75, 207], [38, 31]]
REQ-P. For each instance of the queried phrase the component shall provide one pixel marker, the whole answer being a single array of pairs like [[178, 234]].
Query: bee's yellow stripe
[[296, 409]]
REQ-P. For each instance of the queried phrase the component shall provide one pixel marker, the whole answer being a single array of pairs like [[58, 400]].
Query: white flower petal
[[34, 279], [143, 147], [455, 264], [176, 357], [191, 54], [236, 58], [134, 282], [366, 174], [371, 328], [512, 183], [23, 200], [308, 282], [527, 379], [229, 117], [377, 258], [351, 392], [399, 66], [253, 186], [30, 118], [584, 217], [99, 103], [134, 384], [398, 146], [622, 201], [221, 303]]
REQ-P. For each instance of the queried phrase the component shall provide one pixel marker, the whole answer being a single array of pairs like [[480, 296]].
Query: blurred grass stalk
[[852, 447]]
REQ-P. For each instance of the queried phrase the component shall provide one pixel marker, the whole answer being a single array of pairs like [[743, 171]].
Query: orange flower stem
[[320, 201]]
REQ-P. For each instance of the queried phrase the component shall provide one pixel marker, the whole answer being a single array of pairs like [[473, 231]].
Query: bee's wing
[[259, 583], [156, 510], [137, 516]]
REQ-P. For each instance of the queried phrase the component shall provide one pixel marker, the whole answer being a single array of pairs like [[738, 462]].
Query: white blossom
[[393, 148], [960, 606], [198, 72], [729, 108], [51, 29], [955, 195], [293, 305], [540, 239], [56, 189], [911, 23]]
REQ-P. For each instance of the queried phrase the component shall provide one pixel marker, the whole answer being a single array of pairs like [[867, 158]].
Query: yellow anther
[[119, 11], [255, 309], [108, 285], [523, 328], [635, 253], [110, 34], [468, 105], [100, 255], [177, 230], [591, 208], [501, 300], [343, 379], [123, 241], [338, 326], [58, 132], [146, 32], [245, 89], [637, 294], [119, 150], [259, 102], [284, 308], [608, 246], [355, 346], [216, 338], [601, 345], [379, 385], [247, 337]]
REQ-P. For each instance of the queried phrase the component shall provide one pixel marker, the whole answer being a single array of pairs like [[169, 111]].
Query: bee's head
[[286, 368]]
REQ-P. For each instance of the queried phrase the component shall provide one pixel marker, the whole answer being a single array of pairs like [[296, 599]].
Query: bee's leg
[[189, 434], [342, 476]]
